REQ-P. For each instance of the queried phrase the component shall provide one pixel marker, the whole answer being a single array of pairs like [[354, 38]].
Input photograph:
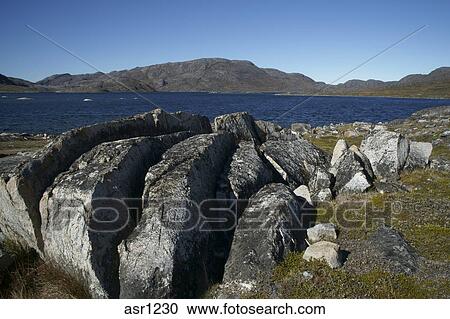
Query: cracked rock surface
[[163, 258]]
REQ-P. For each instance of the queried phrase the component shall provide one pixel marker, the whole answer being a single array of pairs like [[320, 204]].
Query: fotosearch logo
[[110, 215]]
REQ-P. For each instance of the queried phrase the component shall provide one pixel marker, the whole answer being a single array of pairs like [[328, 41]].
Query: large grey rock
[[387, 153], [22, 188], [350, 174], [325, 251], [320, 232], [241, 124], [268, 230], [265, 129], [84, 213], [419, 155], [248, 172], [295, 160], [167, 253]]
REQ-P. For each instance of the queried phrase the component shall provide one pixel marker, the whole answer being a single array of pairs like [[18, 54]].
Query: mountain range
[[222, 75]]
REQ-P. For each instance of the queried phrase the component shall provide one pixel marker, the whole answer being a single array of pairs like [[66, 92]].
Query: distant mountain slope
[[207, 75], [9, 84], [222, 75], [434, 84]]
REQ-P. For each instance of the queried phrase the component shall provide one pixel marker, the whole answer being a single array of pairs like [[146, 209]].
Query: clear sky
[[321, 39]]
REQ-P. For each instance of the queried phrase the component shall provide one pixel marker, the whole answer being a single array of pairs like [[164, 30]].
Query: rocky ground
[[377, 193]]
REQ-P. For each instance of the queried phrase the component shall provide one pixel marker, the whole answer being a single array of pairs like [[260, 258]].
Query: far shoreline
[[231, 93]]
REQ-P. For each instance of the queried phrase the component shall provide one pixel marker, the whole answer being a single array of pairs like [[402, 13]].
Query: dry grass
[[31, 278]]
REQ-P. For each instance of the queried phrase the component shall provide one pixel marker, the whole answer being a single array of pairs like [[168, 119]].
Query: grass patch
[[327, 143], [31, 278], [13, 147], [428, 183], [441, 151], [338, 283], [431, 241]]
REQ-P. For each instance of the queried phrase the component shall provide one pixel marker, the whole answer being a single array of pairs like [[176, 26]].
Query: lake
[[58, 112]]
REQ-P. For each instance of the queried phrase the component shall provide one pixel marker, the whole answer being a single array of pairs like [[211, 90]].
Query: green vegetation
[[328, 142], [431, 241], [13, 147], [441, 151], [427, 184], [338, 283]]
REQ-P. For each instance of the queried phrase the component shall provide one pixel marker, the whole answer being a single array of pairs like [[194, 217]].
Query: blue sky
[[321, 39]]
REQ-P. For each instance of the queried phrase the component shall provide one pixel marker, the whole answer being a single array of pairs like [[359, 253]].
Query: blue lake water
[[58, 112]]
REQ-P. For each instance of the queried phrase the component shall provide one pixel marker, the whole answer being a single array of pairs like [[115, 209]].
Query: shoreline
[[232, 93]]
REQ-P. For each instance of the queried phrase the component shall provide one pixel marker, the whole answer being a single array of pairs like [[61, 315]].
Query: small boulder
[[339, 150], [350, 133], [326, 251], [387, 152], [419, 155], [303, 192], [321, 232]]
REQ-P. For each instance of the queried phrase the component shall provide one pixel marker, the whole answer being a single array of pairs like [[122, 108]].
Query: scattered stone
[[241, 124], [307, 275], [445, 134], [303, 192], [268, 230], [350, 134], [296, 160], [388, 186], [326, 251], [419, 155], [387, 153], [300, 128], [321, 232], [440, 164], [167, 254]]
